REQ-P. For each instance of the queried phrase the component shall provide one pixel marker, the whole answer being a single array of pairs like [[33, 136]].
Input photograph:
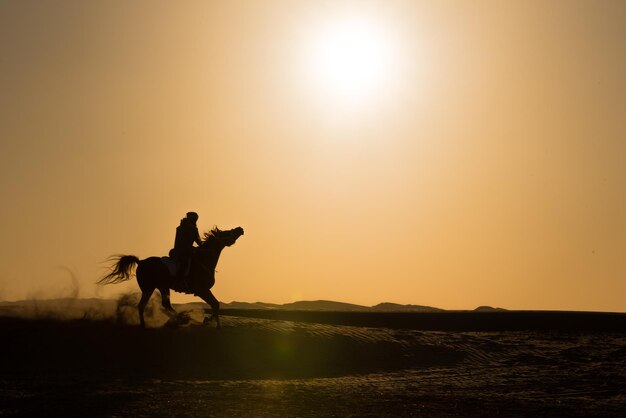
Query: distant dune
[[488, 309], [75, 307], [384, 315], [329, 305], [394, 307], [250, 305]]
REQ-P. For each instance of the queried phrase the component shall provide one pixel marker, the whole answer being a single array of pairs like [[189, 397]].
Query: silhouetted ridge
[[250, 305], [485, 308], [330, 305], [395, 307], [69, 305], [323, 305]]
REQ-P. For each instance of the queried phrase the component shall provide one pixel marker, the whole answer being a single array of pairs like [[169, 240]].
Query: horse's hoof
[[182, 318]]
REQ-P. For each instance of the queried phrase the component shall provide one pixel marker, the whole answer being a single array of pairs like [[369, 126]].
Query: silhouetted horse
[[153, 274]]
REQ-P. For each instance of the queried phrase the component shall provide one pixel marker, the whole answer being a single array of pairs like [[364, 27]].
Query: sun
[[350, 60]]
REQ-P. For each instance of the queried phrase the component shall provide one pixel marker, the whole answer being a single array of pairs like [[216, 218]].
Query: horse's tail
[[121, 269]]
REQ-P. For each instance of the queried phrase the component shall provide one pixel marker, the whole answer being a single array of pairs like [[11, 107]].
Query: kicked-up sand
[[285, 368]]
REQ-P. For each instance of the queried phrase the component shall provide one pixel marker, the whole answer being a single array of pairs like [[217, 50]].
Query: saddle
[[173, 267], [178, 284]]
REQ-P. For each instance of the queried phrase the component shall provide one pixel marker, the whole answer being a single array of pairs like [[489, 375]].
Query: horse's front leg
[[208, 297]]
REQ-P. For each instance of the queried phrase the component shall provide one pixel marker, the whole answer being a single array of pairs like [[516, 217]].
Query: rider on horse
[[186, 235]]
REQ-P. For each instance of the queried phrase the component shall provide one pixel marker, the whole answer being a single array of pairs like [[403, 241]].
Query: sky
[[449, 153]]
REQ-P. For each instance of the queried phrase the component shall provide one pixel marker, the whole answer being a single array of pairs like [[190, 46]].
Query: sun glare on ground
[[350, 60]]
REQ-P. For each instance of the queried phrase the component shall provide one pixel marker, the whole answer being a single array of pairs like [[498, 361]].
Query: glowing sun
[[350, 60]]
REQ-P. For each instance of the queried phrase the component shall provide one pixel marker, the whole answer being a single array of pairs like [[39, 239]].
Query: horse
[[152, 273]]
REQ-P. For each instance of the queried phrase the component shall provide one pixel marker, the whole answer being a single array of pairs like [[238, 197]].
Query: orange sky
[[488, 167]]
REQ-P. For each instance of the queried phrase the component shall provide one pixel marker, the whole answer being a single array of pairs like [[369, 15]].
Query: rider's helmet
[[193, 216]]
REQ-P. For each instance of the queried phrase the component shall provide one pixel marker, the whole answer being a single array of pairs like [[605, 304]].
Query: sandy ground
[[263, 367]]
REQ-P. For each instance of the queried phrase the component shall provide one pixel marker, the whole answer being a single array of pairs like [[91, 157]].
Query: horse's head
[[232, 235], [227, 238]]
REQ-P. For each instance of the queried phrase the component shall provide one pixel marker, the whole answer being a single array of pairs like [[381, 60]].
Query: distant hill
[[249, 305], [322, 305], [488, 309], [394, 307], [330, 305], [78, 307]]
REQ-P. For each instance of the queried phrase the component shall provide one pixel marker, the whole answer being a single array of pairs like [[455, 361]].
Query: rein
[[224, 241]]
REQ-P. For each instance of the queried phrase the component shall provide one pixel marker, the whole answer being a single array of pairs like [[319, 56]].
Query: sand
[[275, 367]]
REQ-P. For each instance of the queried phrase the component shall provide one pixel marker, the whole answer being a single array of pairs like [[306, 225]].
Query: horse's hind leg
[[208, 297], [165, 301], [145, 297]]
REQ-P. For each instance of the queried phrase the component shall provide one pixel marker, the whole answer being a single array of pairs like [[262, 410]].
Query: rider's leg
[[183, 264]]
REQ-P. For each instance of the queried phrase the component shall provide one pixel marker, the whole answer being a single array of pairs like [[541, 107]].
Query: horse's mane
[[223, 237], [212, 234]]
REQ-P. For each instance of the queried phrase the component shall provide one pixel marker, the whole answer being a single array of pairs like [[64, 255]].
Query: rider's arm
[[197, 239]]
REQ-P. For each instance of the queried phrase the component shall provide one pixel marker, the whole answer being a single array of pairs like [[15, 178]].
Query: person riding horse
[[152, 273], [186, 234]]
